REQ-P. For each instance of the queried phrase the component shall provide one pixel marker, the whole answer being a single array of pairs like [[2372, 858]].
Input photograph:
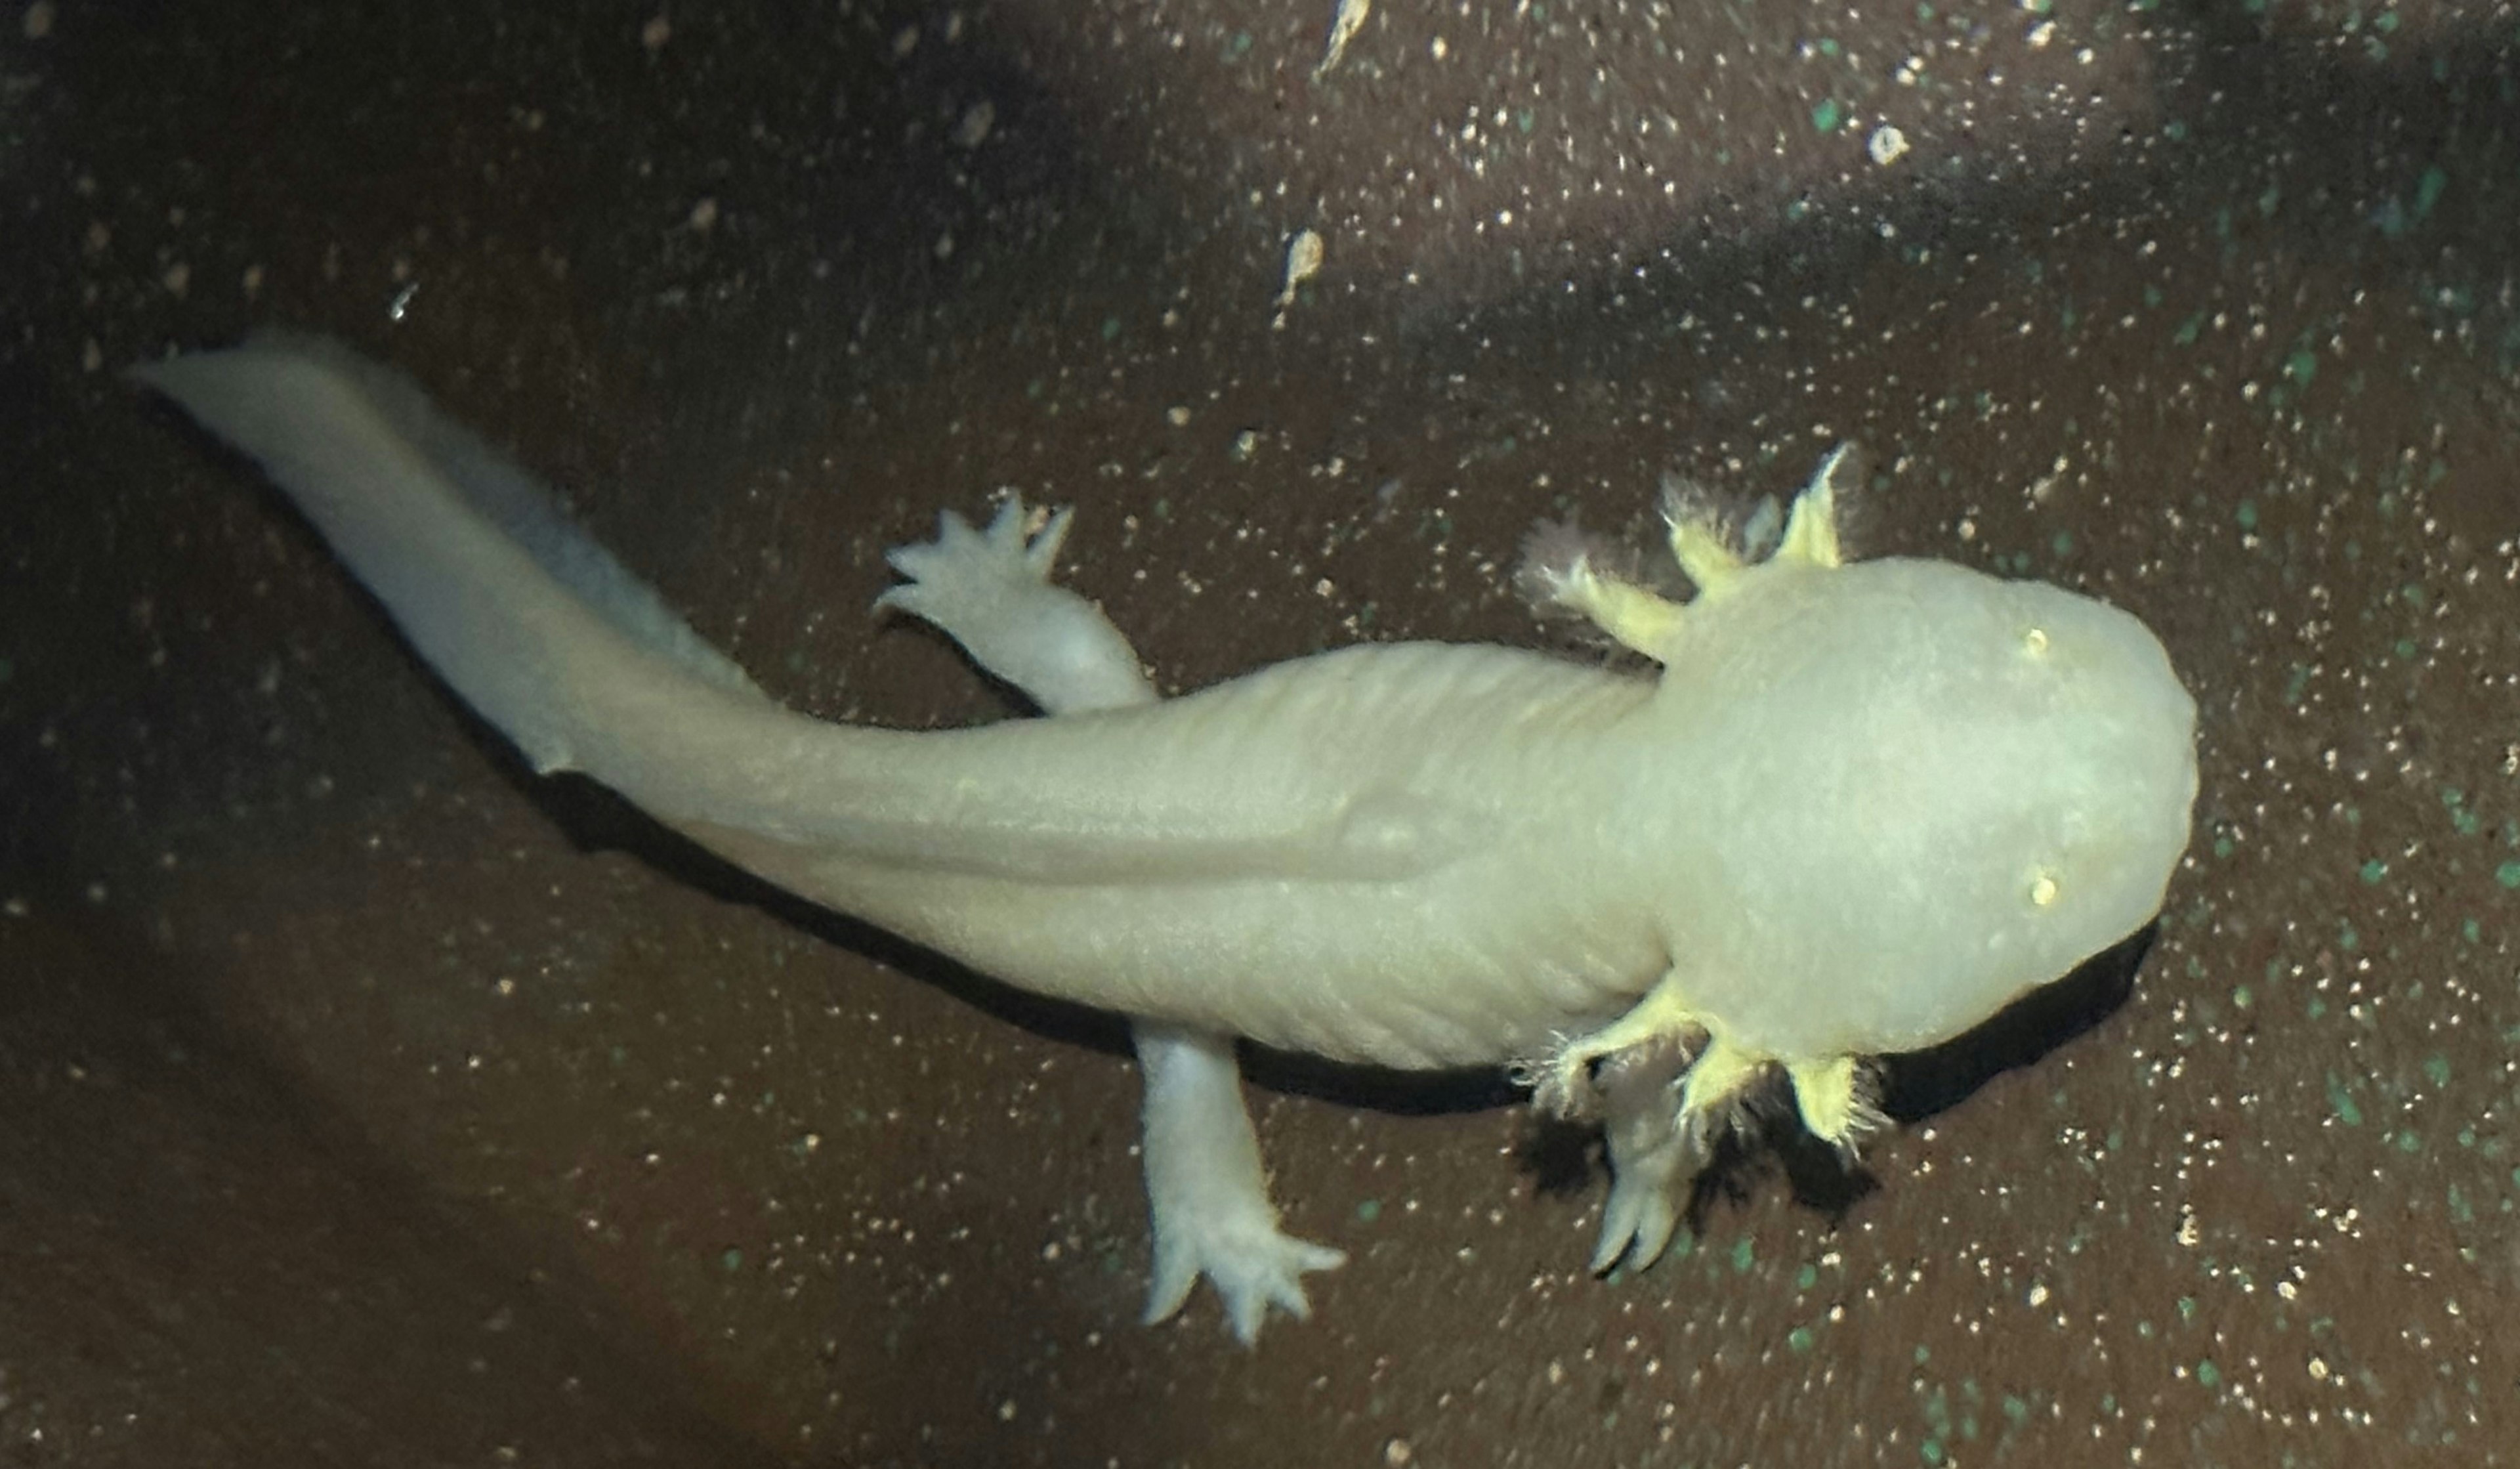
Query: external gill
[[1648, 623], [1665, 1077]]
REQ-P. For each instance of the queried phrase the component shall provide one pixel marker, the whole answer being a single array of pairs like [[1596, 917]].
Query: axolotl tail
[[477, 567], [1345, 819], [537, 627]]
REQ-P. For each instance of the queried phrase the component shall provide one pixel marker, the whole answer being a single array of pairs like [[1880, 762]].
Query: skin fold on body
[[1862, 807]]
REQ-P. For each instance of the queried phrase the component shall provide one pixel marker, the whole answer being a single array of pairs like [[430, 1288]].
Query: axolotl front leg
[[990, 591]]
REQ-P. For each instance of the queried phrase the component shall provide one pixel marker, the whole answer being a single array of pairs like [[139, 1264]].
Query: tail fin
[[475, 564]]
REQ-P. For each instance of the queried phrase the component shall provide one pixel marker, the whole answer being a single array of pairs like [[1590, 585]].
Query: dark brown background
[[364, 1100]]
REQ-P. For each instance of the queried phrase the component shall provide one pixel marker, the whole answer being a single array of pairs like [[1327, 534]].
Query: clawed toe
[[1251, 1273]]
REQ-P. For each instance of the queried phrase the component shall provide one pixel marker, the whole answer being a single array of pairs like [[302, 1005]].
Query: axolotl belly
[[1863, 806]]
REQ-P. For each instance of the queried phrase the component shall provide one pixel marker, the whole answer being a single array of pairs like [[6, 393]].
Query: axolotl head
[[1921, 791]]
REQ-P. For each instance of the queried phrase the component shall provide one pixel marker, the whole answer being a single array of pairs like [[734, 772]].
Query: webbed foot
[[1660, 1110], [990, 591], [1651, 1155], [1239, 1249], [1642, 1212], [966, 569], [1662, 1153]]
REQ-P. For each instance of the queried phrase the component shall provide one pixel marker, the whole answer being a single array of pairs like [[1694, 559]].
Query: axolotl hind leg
[[1209, 1198], [990, 591]]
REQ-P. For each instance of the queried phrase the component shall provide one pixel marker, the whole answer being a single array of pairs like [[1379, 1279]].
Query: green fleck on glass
[[2186, 336], [2301, 367], [2340, 1102], [1110, 327], [1799, 1339], [2247, 514], [2508, 875], [1824, 115], [2437, 1069], [1368, 1211], [1806, 1277], [2428, 189], [2209, 1374], [2374, 870], [731, 1262], [1743, 1256]]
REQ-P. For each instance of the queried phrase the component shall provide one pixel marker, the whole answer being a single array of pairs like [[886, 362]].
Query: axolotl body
[[1864, 807]]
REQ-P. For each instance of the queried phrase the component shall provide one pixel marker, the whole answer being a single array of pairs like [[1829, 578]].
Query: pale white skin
[[1863, 808]]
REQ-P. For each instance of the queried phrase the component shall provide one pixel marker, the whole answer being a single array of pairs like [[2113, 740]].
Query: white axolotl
[[1864, 807]]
